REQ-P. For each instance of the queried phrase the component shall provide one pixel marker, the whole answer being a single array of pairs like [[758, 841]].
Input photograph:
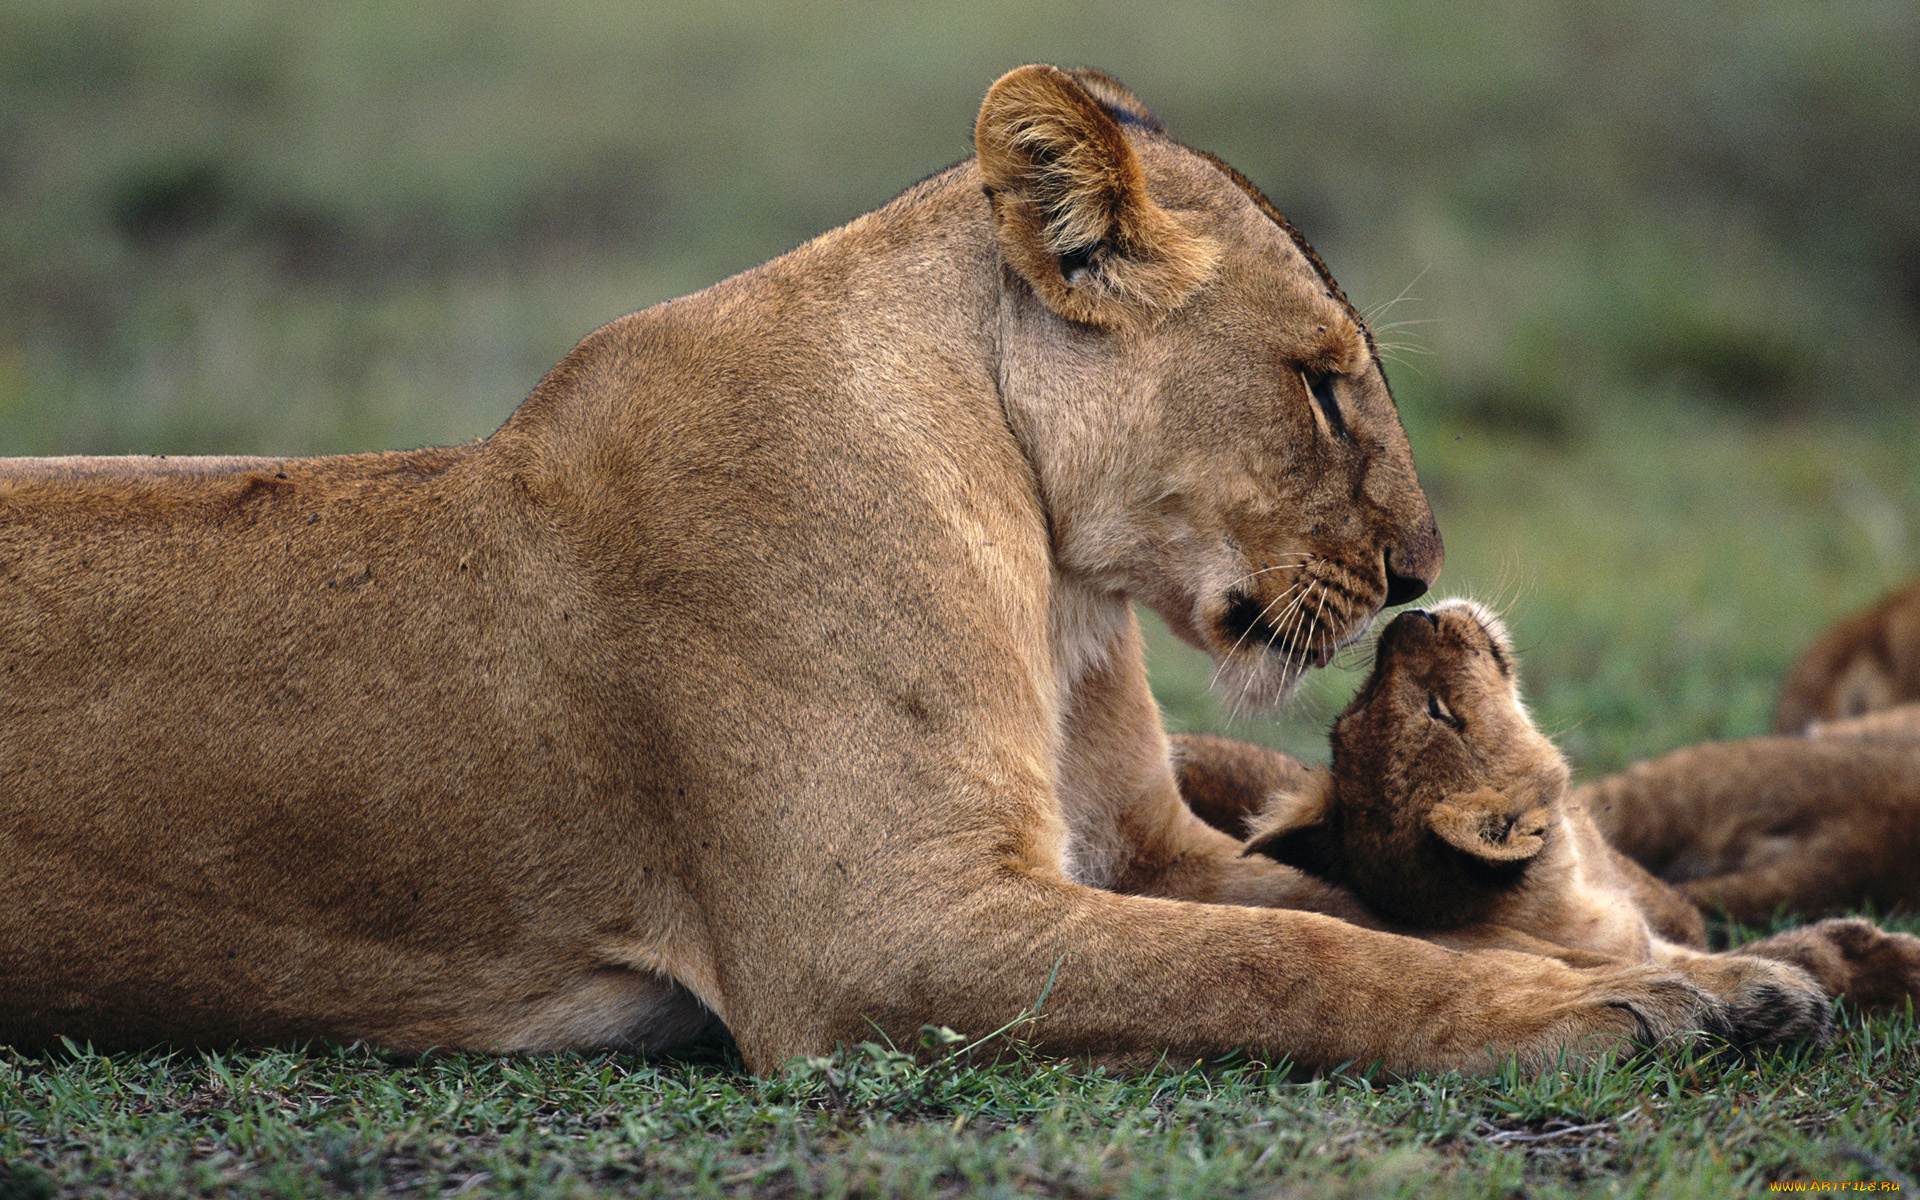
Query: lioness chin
[[773, 665]]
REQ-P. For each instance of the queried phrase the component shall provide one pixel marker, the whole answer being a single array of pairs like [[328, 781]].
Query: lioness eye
[[1438, 710], [1320, 387]]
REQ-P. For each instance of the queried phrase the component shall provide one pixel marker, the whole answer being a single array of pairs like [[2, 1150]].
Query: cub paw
[[1853, 958]]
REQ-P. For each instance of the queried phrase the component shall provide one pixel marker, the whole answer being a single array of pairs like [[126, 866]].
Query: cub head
[[1867, 662], [1441, 793], [1205, 413]]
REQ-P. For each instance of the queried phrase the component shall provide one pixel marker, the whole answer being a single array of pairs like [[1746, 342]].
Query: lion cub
[[1447, 813], [1866, 663]]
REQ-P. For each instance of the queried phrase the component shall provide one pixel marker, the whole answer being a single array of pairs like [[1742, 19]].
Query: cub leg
[[1757, 894], [1225, 782], [1130, 830], [1870, 967]]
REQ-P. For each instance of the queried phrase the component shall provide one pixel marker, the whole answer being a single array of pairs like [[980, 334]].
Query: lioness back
[[357, 729]]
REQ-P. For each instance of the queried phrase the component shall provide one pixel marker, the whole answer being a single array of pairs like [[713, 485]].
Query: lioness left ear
[[1070, 203], [1293, 828], [1475, 824]]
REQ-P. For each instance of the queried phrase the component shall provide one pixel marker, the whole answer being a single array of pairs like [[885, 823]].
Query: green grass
[[870, 1121], [1650, 274]]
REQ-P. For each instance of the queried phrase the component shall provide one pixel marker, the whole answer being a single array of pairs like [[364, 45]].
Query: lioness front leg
[[1768, 1000], [1129, 979]]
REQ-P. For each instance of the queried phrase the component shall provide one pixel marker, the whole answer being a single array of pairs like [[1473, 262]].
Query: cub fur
[[1760, 826], [774, 665], [1899, 725], [1823, 816], [1867, 662], [1446, 811]]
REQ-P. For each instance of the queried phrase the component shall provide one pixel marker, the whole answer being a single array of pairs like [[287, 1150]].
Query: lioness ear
[[1070, 203], [1477, 824], [1294, 829]]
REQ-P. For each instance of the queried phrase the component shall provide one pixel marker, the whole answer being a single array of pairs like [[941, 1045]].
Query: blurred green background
[[1650, 271]]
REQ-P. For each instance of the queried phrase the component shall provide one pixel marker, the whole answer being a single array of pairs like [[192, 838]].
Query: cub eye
[[1320, 387], [1437, 709]]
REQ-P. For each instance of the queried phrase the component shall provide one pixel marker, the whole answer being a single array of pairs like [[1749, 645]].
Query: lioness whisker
[[1319, 616], [1248, 631], [1384, 305], [1287, 562], [1238, 703]]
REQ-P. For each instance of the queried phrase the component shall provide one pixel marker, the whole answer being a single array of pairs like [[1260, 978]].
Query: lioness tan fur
[[1867, 662], [1446, 811], [773, 665]]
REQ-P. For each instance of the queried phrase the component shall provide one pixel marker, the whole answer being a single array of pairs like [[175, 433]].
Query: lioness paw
[[1771, 1003], [1628, 1009], [1667, 1008]]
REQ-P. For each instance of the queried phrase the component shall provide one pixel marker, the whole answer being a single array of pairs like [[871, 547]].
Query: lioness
[[1867, 662], [773, 665], [1446, 811]]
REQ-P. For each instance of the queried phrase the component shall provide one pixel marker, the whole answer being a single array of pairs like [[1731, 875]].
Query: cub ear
[[1477, 823], [1070, 202], [1294, 828]]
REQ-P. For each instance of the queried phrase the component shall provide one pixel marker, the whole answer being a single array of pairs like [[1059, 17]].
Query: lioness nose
[[1402, 589]]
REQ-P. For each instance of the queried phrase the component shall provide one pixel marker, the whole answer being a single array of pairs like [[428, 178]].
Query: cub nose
[[1406, 621]]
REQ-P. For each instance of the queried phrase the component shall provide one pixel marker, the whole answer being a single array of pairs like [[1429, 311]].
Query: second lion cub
[[1447, 813]]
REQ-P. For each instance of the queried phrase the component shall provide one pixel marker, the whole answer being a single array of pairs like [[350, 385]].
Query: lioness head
[[1204, 410], [1441, 792]]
